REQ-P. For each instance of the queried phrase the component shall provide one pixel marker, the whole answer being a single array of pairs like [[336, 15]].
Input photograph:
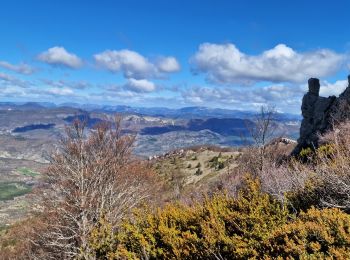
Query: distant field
[[10, 190], [27, 172]]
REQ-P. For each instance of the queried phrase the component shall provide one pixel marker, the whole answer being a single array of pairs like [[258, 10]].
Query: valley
[[30, 132]]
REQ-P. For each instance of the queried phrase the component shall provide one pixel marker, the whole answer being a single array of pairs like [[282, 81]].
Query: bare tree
[[91, 176], [262, 129]]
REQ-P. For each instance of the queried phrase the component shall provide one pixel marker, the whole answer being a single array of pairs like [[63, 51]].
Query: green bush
[[217, 162], [252, 226], [316, 234], [199, 172], [220, 226], [306, 153]]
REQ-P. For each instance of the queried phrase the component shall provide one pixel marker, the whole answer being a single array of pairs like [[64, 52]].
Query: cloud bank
[[226, 64]]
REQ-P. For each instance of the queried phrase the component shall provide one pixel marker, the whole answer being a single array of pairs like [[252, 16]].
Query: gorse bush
[[316, 234], [220, 227], [254, 225], [305, 153]]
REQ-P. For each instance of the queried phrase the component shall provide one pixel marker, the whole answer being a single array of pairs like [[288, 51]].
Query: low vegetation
[[28, 172], [252, 225], [10, 190], [102, 203]]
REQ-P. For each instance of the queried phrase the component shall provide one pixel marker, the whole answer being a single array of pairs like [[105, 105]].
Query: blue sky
[[229, 54]]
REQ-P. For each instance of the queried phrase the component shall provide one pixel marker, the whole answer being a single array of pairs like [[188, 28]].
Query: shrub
[[221, 227], [305, 153], [316, 234], [321, 178], [217, 162], [252, 226], [198, 172], [329, 175]]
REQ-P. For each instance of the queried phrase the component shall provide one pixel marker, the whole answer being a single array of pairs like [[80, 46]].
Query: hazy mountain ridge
[[185, 112]]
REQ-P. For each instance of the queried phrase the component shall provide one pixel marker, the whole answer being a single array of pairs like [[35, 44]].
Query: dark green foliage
[[199, 172]]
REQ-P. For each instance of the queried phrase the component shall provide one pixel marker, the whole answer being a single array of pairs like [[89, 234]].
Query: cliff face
[[320, 114]]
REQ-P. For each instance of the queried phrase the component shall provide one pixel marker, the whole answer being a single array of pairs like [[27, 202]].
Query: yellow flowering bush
[[252, 226]]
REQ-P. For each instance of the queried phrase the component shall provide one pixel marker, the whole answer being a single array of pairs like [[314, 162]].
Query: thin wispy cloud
[[65, 83], [11, 81], [60, 91], [21, 68]]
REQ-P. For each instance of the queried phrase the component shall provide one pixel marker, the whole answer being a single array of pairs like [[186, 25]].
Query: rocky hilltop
[[320, 114]]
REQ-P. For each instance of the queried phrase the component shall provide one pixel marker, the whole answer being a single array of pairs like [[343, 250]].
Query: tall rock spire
[[320, 114]]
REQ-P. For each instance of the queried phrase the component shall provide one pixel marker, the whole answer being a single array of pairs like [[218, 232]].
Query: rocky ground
[[201, 165]]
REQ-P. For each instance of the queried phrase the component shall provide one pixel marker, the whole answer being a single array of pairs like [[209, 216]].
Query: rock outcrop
[[320, 114]]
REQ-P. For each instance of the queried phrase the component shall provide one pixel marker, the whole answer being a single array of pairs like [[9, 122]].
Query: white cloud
[[5, 77], [333, 89], [21, 68], [225, 63], [11, 92], [141, 85], [285, 97], [10, 81], [60, 57], [60, 91], [134, 65], [69, 84], [130, 63], [168, 64]]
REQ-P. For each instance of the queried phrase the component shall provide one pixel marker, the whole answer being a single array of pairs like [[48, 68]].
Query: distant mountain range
[[158, 129], [195, 112]]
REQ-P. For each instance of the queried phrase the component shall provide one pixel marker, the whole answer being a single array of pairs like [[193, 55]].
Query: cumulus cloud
[[59, 56], [134, 65], [140, 85], [225, 63], [168, 64], [333, 89], [21, 68]]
